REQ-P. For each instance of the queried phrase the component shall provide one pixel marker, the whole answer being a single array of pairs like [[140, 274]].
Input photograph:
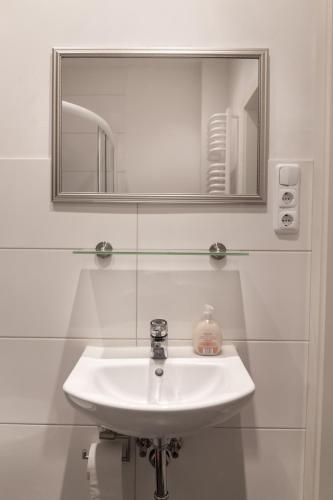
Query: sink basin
[[119, 389]]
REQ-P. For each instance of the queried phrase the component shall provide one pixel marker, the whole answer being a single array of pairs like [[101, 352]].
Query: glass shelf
[[109, 253]]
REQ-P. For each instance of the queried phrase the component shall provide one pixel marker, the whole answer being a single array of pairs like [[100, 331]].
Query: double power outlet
[[286, 206]]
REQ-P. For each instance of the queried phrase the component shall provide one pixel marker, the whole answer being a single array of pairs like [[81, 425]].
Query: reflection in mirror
[[159, 125]]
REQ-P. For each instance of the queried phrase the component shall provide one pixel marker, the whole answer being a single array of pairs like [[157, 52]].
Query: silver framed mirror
[[160, 126]]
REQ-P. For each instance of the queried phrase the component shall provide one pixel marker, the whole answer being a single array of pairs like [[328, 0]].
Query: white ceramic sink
[[118, 388]]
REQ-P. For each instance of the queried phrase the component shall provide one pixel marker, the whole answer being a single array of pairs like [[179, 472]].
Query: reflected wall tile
[[83, 182]]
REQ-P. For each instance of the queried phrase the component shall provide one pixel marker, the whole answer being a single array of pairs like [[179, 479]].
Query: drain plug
[[159, 372]]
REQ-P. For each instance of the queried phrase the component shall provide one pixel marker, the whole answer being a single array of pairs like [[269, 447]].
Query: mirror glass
[[138, 125]]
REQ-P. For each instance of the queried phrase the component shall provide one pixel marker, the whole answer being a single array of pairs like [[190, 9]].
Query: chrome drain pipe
[[161, 492], [161, 451]]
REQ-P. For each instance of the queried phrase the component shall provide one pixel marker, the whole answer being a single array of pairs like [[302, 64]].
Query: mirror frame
[[177, 198]]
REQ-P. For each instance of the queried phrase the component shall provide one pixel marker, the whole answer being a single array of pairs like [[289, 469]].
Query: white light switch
[[289, 174]]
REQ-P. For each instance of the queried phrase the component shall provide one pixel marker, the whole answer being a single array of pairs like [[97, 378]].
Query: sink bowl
[[119, 389]]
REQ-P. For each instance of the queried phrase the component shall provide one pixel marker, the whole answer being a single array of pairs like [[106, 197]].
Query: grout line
[[42, 157], [113, 94], [61, 249], [263, 250], [40, 424], [28, 424], [309, 315], [229, 340], [137, 275], [133, 451], [72, 132], [94, 339], [269, 341], [141, 339], [263, 428], [158, 250]]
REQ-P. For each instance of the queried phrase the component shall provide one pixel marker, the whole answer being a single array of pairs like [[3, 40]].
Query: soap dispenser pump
[[207, 335]]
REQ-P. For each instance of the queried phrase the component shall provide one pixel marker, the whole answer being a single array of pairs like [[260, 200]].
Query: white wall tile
[[79, 181], [32, 373], [233, 464], [93, 77], [261, 296], [53, 293], [279, 371], [237, 227], [79, 153], [44, 462], [29, 219]]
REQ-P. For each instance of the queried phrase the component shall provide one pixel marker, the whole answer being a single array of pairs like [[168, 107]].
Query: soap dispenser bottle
[[207, 335]]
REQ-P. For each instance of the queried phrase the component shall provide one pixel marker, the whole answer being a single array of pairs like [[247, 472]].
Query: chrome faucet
[[159, 339]]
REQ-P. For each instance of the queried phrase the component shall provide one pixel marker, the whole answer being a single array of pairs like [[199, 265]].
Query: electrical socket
[[288, 221], [288, 198]]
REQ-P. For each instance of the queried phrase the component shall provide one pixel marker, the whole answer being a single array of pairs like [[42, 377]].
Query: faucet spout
[[159, 339]]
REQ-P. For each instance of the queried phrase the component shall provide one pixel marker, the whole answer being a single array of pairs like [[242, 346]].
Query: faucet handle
[[158, 328]]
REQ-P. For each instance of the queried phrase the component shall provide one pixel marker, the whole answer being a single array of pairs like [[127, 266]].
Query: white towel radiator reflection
[[219, 152], [104, 133]]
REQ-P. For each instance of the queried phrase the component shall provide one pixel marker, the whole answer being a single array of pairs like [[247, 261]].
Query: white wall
[[53, 303], [325, 482]]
